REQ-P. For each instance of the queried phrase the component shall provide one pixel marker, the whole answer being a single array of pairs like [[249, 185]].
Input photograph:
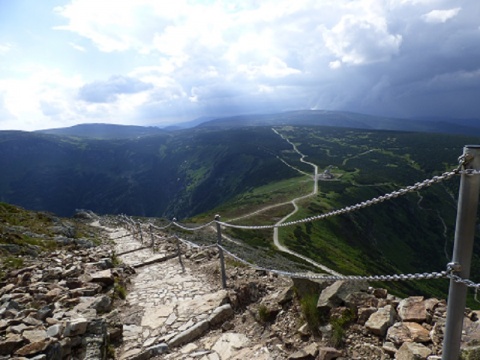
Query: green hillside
[[178, 174], [410, 234]]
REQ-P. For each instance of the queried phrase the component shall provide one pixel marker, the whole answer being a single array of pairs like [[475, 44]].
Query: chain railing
[[449, 273], [452, 270]]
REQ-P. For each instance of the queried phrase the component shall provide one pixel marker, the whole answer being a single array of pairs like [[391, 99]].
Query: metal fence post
[[462, 252], [152, 241], [179, 251], [220, 252], [140, 231]]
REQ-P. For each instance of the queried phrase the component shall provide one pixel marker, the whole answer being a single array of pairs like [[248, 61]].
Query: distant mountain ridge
[[343, 119], [104, 131], [348, 120]]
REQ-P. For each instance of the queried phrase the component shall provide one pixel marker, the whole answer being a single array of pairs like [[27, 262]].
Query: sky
[[159, 62]]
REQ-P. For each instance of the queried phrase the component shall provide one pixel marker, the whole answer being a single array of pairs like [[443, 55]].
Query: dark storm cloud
[[436, 72]]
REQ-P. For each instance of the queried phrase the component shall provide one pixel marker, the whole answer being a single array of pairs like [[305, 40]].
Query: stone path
[[164, 300]]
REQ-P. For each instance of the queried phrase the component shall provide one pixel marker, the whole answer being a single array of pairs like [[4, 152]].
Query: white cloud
[[356, 41], [337, 64], [274, 68], [77, 47], [440, 16], [5, 48]]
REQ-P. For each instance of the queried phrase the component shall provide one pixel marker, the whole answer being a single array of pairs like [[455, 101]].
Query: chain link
[[332, 278], [417, 186], [452, 268], [448, 273], [467, 282], [161, 227], [193, 228], [470, 172]]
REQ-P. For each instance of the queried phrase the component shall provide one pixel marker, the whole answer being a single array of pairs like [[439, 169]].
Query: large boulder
[[412, 351], [336, 294], [379, 322], [413, 309]]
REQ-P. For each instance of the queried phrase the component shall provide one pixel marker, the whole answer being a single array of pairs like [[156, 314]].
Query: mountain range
[[303, 117]]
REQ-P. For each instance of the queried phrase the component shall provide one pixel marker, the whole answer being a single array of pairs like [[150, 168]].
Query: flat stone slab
[[201, 304], [155, 317]]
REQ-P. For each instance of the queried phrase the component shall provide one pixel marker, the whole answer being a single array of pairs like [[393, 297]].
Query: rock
[[35, 335], [304, 287], [54, 351], [389, 348], [220, 315], [190, 334], [285, 296], [76, 327], [470, 353], [45, 311], [336, 294], [309, 352], [304, 330], [202, 304], [31, 321], [417, 332], [158, 349], [18, 329], [412, 351], [102, 303], [104, 277], [381, 320], [412, 309], [97, 326], [34, 347], [364, 313], [229, 344], [360, 299], [398, 333], [156, 317], [55, 331], [94, 346], [245, 294], [380, 293], [328, 353], [11, 344], [114, 326]]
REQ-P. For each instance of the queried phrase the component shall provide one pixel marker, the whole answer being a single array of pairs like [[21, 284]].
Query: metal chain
[[193, 228], [417, 186], [467, 282], [470, 172], [451, 268], [313, 276], [160, 227]]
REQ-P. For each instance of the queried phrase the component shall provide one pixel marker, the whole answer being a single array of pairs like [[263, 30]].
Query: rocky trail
[[120, 299], [178, 310]]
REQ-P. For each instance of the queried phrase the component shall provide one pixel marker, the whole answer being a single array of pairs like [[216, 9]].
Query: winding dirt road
[[295, 209]]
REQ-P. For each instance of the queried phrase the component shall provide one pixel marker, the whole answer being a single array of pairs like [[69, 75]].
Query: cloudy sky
[[159, 62]]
